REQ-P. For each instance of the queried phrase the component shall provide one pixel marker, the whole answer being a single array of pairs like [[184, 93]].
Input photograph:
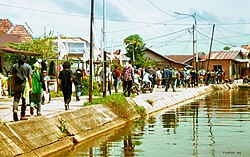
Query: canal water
[[215, 125]]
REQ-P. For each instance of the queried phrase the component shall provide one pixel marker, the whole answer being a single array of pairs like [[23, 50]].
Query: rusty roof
[[226, 54], [169, 59], [6, 27], [180, 58], [14, 51], [21, 30], [186, 58]]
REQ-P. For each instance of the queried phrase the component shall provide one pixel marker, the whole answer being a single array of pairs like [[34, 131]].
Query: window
[[216, 67], [75, 47]]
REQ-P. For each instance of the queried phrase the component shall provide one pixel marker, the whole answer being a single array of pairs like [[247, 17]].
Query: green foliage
[[148, 63], [53, 94], [85, 90], [63, 127], [140, 110], [135, 46], [44, 46], [150, 101], [118, 104], [226, 48], [114, 64]]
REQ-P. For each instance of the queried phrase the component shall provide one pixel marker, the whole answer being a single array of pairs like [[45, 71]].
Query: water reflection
[[128, 146], [214, 125]]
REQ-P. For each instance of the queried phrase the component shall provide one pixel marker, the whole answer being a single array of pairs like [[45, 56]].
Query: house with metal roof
[[162, 61], [234, 63], [187, 59]]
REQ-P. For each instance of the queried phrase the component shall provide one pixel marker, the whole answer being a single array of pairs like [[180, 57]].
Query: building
[[11, 33], [187, 59], [234, 63], [162, 61]]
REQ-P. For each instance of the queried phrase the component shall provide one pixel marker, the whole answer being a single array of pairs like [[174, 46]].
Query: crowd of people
[[169, 77], [31, 82]]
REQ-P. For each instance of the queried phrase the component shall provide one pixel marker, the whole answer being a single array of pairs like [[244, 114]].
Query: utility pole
[[104, 70], [91, 50], [194, 42], [210, 49], [193, 48]]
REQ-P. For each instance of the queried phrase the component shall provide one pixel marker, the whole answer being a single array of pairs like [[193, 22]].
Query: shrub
[[85, 90], [53, 94], [118, 104]]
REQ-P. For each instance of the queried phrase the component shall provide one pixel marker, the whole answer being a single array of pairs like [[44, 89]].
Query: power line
[[160, 9], [167, 34], [215, 39], [136, 15]]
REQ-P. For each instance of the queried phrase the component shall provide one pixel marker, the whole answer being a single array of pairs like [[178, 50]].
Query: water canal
[[215, 125]]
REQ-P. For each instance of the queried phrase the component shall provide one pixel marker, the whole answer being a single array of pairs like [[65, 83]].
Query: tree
[[226, 48], [148, 63], [44, 46], [135, 49]]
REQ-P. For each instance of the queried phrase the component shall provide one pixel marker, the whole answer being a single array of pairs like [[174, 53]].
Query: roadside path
[[56, 105]]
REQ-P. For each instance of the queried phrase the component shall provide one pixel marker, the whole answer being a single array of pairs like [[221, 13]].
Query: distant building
[[187, 59], [162, 61], [11, 33], [234, 63]]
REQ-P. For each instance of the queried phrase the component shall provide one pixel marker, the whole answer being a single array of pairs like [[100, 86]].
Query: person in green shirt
[[38, 87]]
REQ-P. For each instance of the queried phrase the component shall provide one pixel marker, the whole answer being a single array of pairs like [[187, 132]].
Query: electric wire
[[137, 16], [160, 9]]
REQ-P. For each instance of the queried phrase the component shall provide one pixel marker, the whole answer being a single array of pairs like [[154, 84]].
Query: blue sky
[[154, 20]]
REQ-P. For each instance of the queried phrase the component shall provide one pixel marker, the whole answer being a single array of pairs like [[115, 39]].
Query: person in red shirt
[[128, 78], [116, 74]]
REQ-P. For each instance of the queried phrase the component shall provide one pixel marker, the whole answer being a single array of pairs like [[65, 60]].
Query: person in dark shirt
[[78, 77], [65, 82], [167, 76], [21, 72]]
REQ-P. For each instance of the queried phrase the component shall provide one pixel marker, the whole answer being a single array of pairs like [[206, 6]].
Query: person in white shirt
[[145, 79], [137, 79], [158, 78]]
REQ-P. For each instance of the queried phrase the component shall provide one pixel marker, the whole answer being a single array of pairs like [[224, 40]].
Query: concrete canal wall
[[161, 100], [42, 136]]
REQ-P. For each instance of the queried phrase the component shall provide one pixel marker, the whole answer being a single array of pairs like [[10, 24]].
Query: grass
[[118, 104], [150, 101], [54, 94]]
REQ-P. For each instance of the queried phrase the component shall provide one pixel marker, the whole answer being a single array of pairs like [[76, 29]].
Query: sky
[[164, 25]]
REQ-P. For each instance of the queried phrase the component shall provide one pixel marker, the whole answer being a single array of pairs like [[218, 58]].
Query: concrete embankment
[[42, 136], [160, 100]]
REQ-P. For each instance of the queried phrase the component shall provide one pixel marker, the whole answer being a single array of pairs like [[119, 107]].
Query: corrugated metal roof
[[223, 55], [180, 58]]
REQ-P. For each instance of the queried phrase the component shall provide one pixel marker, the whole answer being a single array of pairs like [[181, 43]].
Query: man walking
[[21, 72], [38, 87], [65, 82], [174, 74], [116, 76], [167, 76], [78, 83], [128, 78]]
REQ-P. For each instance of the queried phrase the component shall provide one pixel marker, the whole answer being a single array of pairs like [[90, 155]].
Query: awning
[[242, 60], [14, 51]]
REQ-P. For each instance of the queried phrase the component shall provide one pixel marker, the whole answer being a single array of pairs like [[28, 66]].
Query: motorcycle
[[135, 89], [145, 86]]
